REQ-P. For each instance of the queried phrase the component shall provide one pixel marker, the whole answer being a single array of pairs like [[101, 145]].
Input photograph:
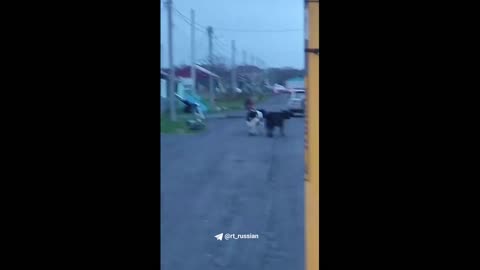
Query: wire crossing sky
[[271, 30]]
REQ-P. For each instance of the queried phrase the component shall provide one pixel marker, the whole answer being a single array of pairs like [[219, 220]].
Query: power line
[[259, 31], [179, 13], [190, 23], [239, 30], [220, 44], [202, 47], [220, 41], [220, 47], [199, 42], [197, 26]]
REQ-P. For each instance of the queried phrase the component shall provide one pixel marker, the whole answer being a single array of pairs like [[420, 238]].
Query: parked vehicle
[[296, 103]]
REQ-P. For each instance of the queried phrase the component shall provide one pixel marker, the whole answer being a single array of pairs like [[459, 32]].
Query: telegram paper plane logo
[[219, 236]]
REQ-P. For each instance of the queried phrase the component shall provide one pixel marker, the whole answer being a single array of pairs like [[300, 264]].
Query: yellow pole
[[312, 184]]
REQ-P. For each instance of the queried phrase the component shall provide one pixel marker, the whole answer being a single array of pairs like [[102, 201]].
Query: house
[[181, 88], [183, 85], [164, 84], [202, 76]]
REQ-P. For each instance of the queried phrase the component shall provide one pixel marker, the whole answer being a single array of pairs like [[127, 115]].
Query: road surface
[[224, 181]]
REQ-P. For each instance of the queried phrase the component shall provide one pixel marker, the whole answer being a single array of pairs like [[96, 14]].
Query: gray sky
[[277, 49]]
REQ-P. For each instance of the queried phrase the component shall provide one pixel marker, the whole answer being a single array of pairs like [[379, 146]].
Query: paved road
[[223, 181]]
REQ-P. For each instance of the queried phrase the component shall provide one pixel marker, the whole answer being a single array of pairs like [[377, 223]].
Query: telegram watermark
[[235, 236]]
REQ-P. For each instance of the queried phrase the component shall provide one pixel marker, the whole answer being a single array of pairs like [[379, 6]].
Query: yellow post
[[312, 184]]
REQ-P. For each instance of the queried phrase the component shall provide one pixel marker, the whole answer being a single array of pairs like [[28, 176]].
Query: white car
[[296, 103]]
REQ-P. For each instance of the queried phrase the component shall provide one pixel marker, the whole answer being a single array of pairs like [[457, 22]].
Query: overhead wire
[[259, 31], [198, 42], [220, 45]]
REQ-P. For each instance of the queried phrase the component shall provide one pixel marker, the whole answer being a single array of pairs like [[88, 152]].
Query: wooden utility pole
[[312, 137], [210, 56], [234, 71], [172, 81], [192, 69]]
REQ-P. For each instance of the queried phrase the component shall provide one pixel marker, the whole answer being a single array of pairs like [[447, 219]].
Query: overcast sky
[[277, 49]]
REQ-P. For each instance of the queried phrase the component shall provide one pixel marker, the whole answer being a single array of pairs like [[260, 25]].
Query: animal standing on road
[[276, 119], [255, 121]]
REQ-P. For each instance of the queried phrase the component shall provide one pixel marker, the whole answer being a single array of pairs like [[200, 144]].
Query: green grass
[[233, 103], [179, 127], [261, 98]]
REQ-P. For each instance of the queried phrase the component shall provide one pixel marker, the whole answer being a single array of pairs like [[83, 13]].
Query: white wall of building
[[163, 88]]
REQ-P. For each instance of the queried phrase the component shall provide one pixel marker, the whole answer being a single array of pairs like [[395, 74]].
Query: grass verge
[[179, 127], [234, 103]]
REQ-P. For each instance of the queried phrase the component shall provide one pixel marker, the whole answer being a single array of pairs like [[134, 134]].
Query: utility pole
[[210, 56], [172, 82], [210, 48], [234, 71], [312, 137], [192, 69]]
